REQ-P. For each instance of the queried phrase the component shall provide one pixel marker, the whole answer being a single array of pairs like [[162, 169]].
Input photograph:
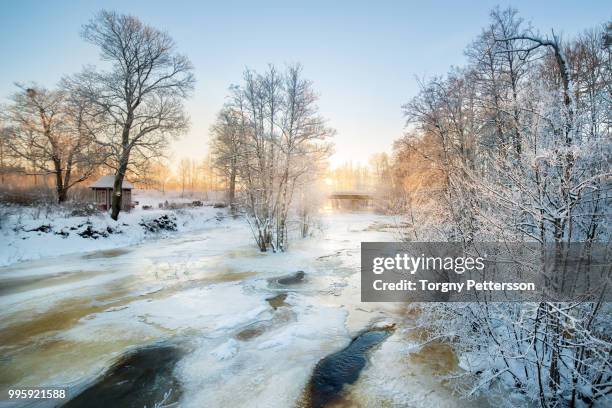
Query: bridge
[[351, 199]]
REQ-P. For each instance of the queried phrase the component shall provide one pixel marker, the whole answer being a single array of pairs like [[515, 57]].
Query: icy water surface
[[333, 372], [142, 378], [205, 319]]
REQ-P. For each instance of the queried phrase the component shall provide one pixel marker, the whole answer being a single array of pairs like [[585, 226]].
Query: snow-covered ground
[[64, 320], [30, 233]]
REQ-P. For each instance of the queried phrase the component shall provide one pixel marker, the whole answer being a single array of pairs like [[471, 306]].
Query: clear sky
[[363, 57]]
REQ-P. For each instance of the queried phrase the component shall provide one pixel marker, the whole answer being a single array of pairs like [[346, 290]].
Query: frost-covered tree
[[270, 138], [519, 142]]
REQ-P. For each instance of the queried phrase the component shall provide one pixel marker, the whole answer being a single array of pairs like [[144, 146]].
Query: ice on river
[[64, 321]]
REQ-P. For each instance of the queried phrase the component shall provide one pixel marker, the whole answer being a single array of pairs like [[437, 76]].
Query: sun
[[328, 181]]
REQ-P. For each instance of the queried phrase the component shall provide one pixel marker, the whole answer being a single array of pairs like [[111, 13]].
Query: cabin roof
[[108, 181]]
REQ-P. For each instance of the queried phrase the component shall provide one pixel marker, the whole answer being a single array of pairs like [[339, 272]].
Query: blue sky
[[363, 57]]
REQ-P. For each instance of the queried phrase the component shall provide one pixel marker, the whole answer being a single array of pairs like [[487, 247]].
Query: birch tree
[[270, 137]]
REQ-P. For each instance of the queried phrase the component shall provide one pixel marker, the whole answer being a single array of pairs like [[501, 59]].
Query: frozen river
[[221, 328]]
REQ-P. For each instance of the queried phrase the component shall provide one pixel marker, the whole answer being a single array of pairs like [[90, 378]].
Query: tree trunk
[[59, 183], [2, 161], [554, 375], [232, 189], [62, 195], [116, 199], [117, 190], [123, 164]]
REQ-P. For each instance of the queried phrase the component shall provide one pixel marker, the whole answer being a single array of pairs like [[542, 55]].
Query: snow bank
[[31, 233]]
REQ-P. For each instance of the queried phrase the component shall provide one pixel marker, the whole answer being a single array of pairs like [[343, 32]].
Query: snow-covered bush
[[166, 222]]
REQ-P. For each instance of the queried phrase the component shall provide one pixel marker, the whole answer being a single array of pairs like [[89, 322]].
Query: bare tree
[[270, 138], [5, 157], [303, 137], [226, 144], [142, 94], [499, 72], [53, 131], [184, 174], [161, 174]]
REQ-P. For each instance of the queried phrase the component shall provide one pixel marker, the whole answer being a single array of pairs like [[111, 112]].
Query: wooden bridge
[[351, 199]]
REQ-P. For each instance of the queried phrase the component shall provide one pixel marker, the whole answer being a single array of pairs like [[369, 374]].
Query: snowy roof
[[108, 181]]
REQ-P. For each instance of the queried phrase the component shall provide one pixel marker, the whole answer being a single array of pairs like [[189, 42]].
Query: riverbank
[[29, 233]]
